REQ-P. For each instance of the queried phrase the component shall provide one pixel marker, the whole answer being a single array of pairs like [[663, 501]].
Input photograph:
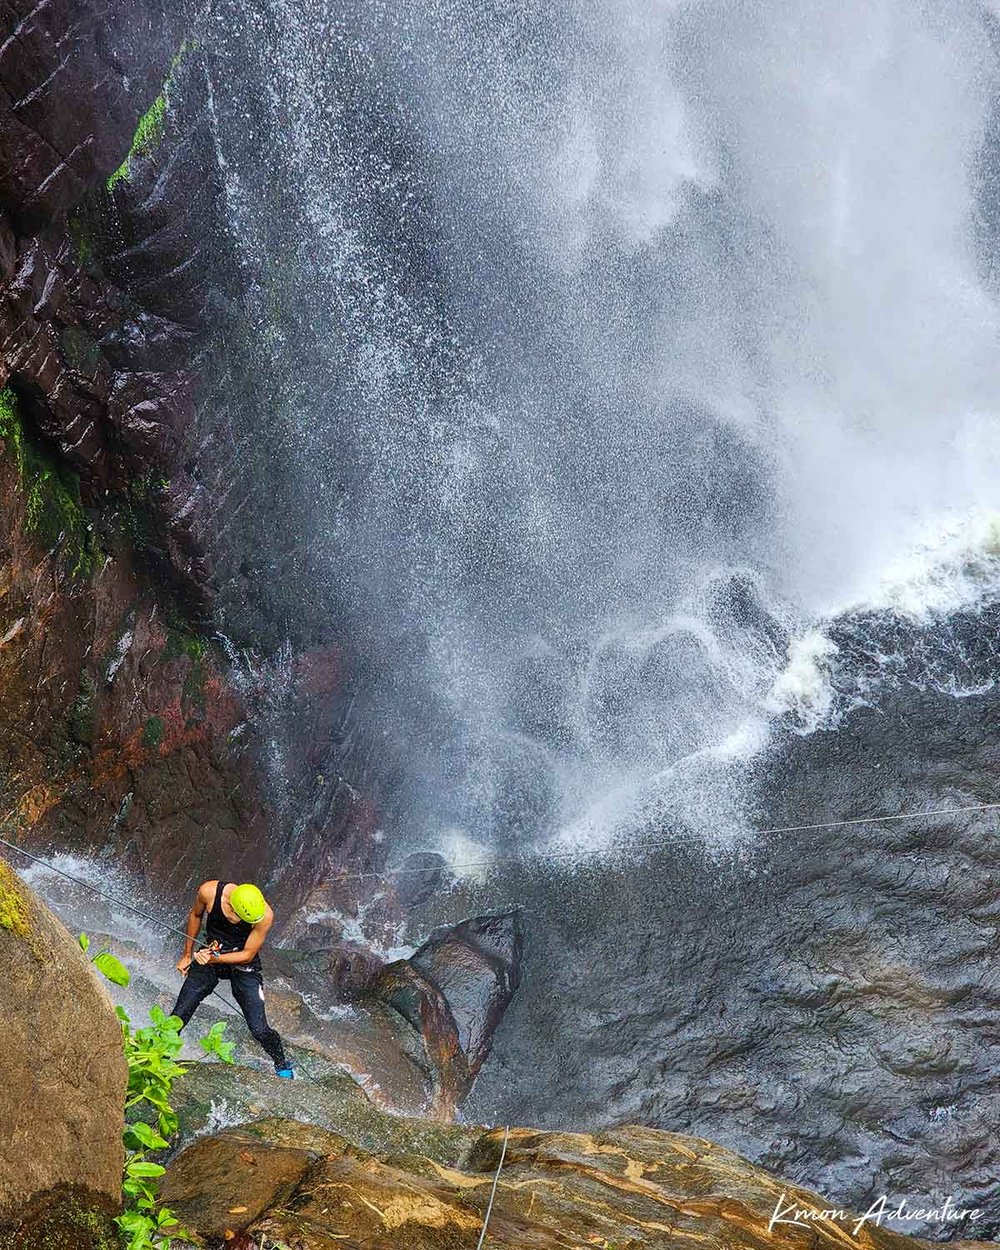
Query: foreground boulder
[[281, 1183], [453, 991], [63, 1088]]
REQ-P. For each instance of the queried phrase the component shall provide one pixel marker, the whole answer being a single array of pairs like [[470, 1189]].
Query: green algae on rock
[[150, 126], [54, 512], [13, 905], [65, 1218]]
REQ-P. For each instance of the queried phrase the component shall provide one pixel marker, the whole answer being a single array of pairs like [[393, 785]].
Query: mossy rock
[[152, 732], [53, 509], [65, 1076], [14, 911], [335, 1102], [65, 1218]]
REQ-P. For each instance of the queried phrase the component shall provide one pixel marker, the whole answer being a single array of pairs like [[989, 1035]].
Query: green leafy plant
[[152, 1069], [106, 963], [53, 510], [151, 1055], [213, 1043]]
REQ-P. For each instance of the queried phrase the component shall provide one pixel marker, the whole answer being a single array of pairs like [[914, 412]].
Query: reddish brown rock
[[234, 1182], [453, 991], [628, 1187]]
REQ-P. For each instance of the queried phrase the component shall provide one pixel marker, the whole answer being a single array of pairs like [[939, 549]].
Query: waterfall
[[612, 353]]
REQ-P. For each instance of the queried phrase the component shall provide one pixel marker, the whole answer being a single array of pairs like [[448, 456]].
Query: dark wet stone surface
[[824, 1001]]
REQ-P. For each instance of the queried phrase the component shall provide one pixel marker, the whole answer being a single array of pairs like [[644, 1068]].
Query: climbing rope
[[522, 860], [148, 917], [576, 853], [493, 1191], [654, 840], [111, 898]]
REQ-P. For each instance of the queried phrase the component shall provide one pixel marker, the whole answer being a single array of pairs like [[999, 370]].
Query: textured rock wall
[[128, 727], [277, 1182]]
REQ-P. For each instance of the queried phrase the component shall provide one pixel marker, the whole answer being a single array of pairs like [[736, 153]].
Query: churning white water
[[622, 347]]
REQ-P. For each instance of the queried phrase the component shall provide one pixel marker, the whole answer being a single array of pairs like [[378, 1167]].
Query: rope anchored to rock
[[493, 1191]]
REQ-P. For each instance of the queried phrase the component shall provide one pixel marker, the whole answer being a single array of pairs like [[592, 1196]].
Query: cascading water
[[624, 383], [612, 346]]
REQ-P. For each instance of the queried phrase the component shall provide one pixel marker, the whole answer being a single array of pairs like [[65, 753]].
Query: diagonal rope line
[[111, 898], [575, 853], [655, 840]]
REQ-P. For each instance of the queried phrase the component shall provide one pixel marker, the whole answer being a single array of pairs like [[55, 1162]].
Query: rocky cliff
[[130, 724]]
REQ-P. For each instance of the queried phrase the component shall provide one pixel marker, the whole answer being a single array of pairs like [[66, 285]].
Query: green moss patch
[[180, 642], [82, 715], [148, 134], [82, 236], [151, 125], [152, 732], [53, 509], [14, 914], [65, 1218], [80, 351]]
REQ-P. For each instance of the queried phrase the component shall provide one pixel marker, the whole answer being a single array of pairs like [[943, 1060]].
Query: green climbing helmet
[[248, 903]]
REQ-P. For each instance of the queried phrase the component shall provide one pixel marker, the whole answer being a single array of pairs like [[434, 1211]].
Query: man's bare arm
[[202, 902]]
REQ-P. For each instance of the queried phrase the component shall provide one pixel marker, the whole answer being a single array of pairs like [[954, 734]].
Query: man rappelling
[[238, 921]]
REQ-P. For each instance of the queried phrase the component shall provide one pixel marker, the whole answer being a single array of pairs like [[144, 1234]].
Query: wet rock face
[[420, 1030], [64, 1077], [823, 1001], [121, 730], [477, 967], [278, 1182], [86, 360], [125, 726], [116, 711], [72, 86]]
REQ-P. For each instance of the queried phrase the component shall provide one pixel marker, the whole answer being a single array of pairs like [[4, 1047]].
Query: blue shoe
[[287, 1073]]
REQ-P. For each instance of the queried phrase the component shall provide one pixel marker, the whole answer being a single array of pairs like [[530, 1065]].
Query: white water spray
[[635, 345]]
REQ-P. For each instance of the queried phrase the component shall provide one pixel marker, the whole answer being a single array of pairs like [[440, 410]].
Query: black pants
[[247, 985]]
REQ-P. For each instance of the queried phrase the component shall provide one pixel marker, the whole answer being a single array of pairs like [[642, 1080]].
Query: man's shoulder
[[206, 888]]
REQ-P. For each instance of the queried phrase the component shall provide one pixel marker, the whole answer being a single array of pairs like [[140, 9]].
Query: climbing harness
[[493, 1191]]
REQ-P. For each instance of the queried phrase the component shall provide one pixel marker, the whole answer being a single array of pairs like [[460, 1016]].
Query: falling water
[[613, 352]]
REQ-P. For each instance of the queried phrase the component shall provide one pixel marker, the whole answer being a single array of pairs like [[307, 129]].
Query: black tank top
[[230, 934]]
